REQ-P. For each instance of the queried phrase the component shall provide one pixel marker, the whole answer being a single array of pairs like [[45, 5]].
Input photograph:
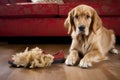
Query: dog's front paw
[[85, 63], [71, 60]]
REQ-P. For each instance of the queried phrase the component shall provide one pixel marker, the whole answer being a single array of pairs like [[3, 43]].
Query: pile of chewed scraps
[[35, 58]]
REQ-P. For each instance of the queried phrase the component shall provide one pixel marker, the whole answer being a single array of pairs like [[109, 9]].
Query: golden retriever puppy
[[89, 37]]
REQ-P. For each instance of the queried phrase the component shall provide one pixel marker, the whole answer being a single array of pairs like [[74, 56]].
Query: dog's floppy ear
[[96, 23], [69, 23]]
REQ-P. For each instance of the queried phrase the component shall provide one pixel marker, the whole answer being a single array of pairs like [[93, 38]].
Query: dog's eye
[[87, 17], [76, 16]]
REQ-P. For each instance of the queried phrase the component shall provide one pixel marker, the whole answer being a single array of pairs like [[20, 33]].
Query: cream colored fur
[[94, 42], [32, 58]]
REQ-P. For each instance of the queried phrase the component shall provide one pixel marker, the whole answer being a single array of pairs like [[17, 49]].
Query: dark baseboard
[[117, 39], [42, 40], [36, 40]]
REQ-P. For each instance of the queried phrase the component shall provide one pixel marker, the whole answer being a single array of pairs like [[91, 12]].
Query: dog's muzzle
[[82, 28]]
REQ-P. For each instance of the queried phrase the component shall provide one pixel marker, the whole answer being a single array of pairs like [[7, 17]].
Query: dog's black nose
[[82, 27]]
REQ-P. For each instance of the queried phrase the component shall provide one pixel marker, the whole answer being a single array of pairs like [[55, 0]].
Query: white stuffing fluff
[[32, 58]]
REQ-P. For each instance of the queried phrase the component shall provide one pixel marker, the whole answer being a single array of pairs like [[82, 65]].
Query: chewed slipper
[[59, 57], [41, 60]]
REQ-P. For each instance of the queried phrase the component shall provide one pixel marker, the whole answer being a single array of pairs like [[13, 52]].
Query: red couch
[[23, 18]]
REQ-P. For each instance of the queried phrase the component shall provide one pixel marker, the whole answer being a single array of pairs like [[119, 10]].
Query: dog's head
[[83, 19]]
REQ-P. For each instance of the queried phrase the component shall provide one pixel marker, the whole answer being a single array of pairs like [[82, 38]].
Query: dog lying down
[[89, 37]]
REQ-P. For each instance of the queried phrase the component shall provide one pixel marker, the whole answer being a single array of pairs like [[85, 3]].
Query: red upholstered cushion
[[102, 9], [32, 27], [112, 23], [28, 9], [46, 26], [3, 2]]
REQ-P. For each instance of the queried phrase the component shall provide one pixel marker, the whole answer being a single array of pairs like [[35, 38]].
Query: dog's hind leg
[[114, 50]]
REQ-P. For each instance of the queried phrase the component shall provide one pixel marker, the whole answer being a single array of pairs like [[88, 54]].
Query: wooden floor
[[105, 70]]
